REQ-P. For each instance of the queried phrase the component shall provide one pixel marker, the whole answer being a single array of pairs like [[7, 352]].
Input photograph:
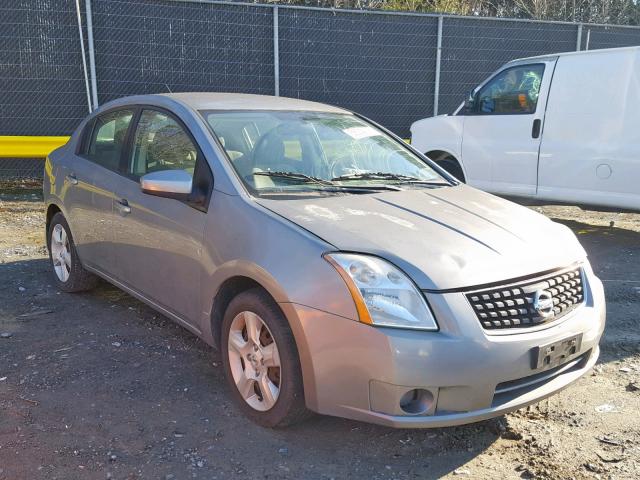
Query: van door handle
[[71, 178], [123, 207], [535, 131]]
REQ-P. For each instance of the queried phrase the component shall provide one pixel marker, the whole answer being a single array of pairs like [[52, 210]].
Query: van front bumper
[[361, 372]]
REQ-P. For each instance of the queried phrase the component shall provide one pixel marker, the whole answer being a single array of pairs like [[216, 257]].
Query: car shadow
[[107, 360]]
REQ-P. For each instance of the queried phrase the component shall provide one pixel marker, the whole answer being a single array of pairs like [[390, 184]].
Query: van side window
[[512, 91], [160, 143], [108, 138]]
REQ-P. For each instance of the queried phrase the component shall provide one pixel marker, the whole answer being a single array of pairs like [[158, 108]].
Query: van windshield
[[290, 150]]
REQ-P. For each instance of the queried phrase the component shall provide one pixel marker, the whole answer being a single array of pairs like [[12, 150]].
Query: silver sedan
[[337, 269]]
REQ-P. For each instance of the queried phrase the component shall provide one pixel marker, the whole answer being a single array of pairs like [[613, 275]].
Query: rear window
[[108, 138]]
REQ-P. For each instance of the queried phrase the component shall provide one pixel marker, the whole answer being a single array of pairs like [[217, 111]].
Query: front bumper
[[360, 372]]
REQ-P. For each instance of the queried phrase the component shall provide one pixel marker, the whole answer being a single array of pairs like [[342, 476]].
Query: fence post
[[588, 39], [276, 53], [436, 88], [84, 58], [579, 39], [92, 57]]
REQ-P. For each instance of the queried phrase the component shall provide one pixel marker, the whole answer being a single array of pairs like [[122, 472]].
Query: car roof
[[580, 52], [243, 101]]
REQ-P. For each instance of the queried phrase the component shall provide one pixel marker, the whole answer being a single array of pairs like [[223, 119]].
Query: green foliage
[[614, 12]]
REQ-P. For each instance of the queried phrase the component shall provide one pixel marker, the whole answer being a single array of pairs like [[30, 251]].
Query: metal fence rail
[[393, 67]]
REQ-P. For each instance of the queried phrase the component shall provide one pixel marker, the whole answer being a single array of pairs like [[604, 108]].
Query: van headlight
[[383, 294]]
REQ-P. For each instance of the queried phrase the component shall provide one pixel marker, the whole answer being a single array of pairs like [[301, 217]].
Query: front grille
[[512, 306]]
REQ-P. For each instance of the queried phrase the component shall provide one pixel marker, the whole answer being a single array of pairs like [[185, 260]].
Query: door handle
[[71, 178], [535, 130], [123, 206]]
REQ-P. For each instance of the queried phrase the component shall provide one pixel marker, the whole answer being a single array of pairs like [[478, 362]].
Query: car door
[[76, 192], [502, 129], [158, 242], [104, 151]]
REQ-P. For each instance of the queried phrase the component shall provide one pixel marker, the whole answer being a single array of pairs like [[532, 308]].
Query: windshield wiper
[[295, 176], [326, 183], [372, 176], [387, 176]]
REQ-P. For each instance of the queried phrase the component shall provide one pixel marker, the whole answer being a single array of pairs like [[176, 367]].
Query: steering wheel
[[261, 152], [344, 165]]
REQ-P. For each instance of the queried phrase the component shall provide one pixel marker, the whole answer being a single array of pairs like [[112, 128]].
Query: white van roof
[[581, 52]]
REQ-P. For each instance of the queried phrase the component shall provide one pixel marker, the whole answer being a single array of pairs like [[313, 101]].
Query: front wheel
[[261, 361], [448, 163], [68, 272]]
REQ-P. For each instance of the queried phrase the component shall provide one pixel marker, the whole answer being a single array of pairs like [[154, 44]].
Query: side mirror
[[167, 183], [469, 102]]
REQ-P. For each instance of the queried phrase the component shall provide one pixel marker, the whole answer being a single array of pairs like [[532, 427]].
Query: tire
[[452, 166], [68, 273], [254, 374]]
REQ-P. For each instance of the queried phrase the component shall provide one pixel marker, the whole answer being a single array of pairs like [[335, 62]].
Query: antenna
[[168, 88]]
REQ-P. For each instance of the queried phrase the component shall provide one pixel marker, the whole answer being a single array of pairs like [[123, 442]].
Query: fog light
[[416, 401]]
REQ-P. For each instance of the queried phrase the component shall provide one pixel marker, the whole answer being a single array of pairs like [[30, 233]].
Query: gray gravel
[[97, 385]]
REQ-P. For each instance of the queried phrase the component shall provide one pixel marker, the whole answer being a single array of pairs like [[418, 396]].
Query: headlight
[[382, 293]]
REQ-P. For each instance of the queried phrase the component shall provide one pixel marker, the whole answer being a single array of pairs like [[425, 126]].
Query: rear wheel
[[261, 361], [68, 273]]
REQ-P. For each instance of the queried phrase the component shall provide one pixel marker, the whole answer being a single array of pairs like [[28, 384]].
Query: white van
[[563, 127]]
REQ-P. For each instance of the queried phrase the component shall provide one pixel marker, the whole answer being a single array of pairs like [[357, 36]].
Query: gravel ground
[[98, 385]]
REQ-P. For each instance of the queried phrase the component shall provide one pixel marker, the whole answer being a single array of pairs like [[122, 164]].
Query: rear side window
[[85, 138], [108, 138], [512, 91], [160, 143]]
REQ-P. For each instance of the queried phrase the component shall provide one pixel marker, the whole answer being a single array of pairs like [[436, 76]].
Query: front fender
[[245, 239], [442, 133]]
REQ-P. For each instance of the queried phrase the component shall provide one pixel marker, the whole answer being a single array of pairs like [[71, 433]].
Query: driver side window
[[511, 92]]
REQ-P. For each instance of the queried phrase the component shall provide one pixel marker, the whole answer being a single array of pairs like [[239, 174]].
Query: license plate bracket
[[556, 353]]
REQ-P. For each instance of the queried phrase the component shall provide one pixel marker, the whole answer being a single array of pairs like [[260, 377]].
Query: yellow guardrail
[[29, 146]]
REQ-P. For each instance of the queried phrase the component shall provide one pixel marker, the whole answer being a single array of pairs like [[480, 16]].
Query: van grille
[[512, 306]]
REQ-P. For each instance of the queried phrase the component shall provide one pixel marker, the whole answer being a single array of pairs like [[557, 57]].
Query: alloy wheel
[[254, 360], [60, 253]]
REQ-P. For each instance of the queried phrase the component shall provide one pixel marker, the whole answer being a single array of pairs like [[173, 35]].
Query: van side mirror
[[469, 102], [167, 183]]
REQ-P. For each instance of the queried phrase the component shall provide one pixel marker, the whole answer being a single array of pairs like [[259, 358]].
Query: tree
[[618, 12]]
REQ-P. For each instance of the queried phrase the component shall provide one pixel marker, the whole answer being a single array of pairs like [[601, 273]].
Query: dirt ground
[[98, 385]]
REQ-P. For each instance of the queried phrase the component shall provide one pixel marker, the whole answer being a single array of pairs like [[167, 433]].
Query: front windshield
[[292, 151]]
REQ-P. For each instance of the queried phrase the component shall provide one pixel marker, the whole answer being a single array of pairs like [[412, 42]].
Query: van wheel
[[450, 164], [261, 361], [68, 273]]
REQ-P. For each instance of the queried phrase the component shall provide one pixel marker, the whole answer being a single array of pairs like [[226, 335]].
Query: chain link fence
[[42, 88], [21, 168], [382, 66], [392, 67], [598, 36], [167, 46], [472, 49]]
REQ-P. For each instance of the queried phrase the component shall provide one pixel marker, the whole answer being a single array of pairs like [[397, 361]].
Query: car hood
[[444, 238]]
